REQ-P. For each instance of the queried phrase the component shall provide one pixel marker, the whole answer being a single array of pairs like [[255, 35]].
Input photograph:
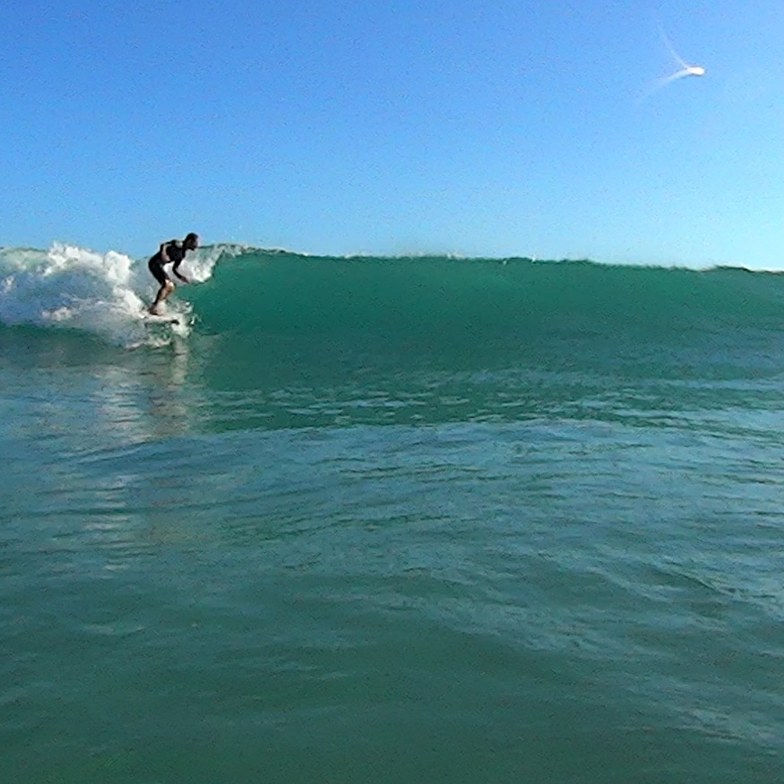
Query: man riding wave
[[171, 252]]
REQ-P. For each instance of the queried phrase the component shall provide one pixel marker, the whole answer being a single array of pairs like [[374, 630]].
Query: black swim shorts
[[158, 272]]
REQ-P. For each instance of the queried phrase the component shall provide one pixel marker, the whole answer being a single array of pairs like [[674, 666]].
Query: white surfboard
[[153, 318]]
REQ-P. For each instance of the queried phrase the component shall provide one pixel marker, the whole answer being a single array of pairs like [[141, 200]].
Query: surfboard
[[151, 318]]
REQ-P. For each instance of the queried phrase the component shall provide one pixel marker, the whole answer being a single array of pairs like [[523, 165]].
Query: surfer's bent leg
[[158, 272]]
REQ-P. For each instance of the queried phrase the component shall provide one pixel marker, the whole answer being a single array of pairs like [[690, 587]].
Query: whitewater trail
[[105, 294]]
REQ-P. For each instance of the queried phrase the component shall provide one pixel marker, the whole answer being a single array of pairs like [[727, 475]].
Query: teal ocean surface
[[390, 520]]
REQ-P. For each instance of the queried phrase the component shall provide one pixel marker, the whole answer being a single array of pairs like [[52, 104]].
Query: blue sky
[[497, 128]]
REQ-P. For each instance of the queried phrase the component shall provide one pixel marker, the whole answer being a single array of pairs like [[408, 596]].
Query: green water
[[346, 545]]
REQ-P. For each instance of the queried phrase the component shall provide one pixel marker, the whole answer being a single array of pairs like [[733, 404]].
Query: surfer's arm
[[176, 271]]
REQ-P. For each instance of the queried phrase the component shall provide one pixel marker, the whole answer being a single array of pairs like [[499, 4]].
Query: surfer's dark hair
[[192, 236]]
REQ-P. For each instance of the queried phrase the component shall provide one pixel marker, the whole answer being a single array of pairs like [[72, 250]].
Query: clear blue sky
[[492, 128]]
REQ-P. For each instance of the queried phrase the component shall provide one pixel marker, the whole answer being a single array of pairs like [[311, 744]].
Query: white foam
[[74, 288]]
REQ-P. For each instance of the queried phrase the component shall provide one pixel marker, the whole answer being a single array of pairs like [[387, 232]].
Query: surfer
[[171, 252]]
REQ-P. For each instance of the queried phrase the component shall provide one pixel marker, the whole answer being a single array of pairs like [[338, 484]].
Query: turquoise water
[[390, 520]]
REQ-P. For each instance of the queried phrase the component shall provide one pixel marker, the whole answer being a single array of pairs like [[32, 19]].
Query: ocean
[[390, 520]]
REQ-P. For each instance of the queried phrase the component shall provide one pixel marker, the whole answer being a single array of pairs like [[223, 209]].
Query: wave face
[[432, 296], [439, 306]]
